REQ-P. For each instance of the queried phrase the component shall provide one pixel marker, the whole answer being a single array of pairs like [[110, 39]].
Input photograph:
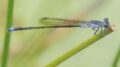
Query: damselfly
[[66, 23]]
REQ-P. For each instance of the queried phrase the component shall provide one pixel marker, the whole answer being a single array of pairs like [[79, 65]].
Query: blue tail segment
[[11, 29], [14, 29]]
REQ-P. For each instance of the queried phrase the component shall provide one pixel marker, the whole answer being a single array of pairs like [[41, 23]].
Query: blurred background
[[37, 48]]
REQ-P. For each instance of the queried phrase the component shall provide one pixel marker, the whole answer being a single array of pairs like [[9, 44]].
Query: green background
[[37, 48]]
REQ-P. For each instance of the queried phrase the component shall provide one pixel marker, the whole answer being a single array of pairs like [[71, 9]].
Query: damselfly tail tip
[[11, 29]]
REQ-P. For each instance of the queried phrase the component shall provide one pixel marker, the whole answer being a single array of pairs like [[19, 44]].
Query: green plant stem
[[116, 59], [7, 34], [78, 48]]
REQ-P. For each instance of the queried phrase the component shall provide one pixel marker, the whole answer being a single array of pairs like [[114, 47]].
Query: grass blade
[[7, 34], [80, 47], [116, 59]]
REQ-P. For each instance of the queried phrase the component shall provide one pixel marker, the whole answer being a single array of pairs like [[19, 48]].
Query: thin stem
[[7, 34], [116, 59], [79, 48]]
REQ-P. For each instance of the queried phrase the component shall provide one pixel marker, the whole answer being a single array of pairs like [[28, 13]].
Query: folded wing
[[57, 21]]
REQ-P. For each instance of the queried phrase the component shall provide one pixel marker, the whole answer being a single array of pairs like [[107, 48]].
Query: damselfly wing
[[58, 21]]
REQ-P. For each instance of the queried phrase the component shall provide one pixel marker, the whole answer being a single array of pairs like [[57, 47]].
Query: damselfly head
[[107, 24]]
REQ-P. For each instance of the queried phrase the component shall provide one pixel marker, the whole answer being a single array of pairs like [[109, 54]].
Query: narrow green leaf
[[7, 34], [116, 60], [80, 47]]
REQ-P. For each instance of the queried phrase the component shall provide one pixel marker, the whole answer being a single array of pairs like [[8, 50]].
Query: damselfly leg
[[96, 30]]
